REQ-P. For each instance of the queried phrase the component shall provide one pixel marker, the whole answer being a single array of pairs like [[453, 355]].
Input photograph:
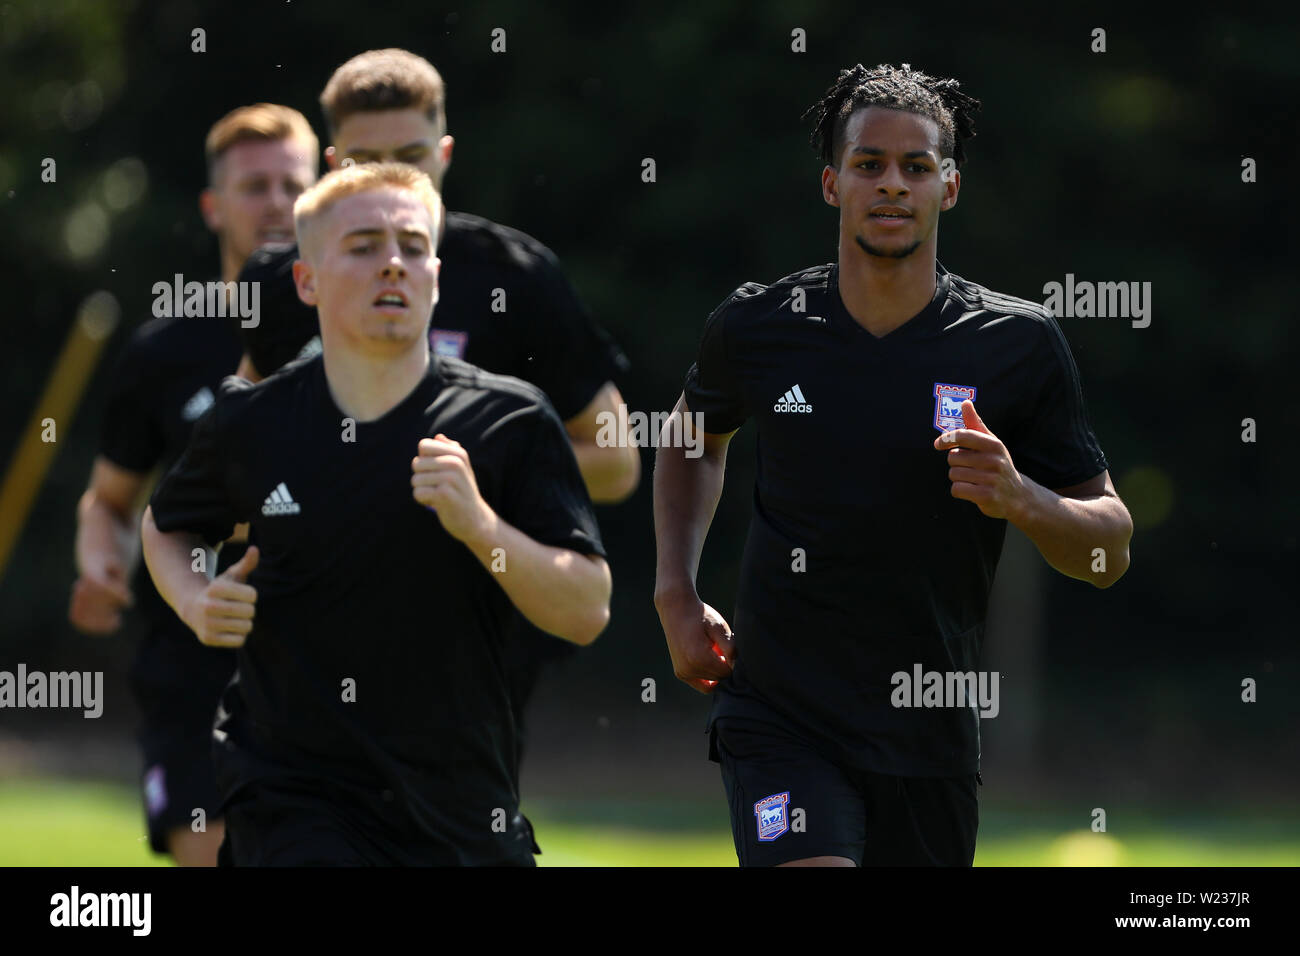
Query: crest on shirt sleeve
[[447, 343], [772, 818], [947, 405]]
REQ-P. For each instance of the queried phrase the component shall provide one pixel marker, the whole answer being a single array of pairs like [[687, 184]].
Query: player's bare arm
[[219, 612], [559, 590], [686, 494], [1066, 524], [103, 544], [610, 474]]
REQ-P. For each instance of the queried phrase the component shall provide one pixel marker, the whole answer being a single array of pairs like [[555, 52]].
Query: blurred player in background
[[873, 542], [404, 506], [504, 304], [259, 158]]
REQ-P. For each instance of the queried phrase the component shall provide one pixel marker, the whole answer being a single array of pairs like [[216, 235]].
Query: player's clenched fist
[[222, 613], [980, 467], [443, 480], [699, 642], [98, 597]]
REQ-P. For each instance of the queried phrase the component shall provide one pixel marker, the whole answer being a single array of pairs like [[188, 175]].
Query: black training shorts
[[788, 802], [177, 682], [281, 824]]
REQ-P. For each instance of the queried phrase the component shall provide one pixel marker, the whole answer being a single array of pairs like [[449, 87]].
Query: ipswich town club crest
[[451, 344], [947, 405], [773, 820]]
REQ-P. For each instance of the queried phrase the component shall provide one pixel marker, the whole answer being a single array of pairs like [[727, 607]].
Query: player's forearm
[[170, 559], [560, 591], [686, 495], [610, 474], [102, 532], [1083, 538]]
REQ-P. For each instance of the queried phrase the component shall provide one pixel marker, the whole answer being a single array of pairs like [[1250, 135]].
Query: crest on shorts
[[155, 790], [448, 343], [947, 405], [773, 820]]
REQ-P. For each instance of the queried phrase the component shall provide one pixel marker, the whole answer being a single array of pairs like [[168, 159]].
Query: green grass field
[[51, 822]]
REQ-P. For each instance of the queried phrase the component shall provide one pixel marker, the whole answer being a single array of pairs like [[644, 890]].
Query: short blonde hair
[[359, 178], [263, 123], [377, 80]]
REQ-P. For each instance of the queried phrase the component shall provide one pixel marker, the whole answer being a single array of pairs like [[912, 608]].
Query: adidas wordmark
[[792, 401], [280, 502]]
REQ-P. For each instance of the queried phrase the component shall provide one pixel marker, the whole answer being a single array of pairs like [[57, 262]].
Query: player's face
[[372, 273], [890, 186], [250, 203], [397, 136]]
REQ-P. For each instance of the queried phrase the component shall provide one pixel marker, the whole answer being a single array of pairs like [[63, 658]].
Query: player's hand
[[700, 643], [221, 615], [443, 480], [980, 466], [98, 597]]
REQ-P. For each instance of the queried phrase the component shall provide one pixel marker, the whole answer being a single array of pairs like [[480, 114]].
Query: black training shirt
[[503, 305], [859, 562], [165, 378], [358, 583]]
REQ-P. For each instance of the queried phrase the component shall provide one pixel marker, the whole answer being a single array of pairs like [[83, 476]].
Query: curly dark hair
[[901, 89]]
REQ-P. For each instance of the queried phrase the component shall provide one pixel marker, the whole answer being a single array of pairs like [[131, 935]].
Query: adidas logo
[[792, 401], [280, 502], [199, 403]]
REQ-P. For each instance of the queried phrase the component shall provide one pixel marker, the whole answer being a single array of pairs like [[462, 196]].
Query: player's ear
[[952, 186], [445, 147], [331, 157], [210, 209], [830, 187], [305, 279]]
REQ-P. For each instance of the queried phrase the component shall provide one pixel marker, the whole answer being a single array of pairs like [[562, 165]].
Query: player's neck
[[231, 264], [879, 293], [367, 387]]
